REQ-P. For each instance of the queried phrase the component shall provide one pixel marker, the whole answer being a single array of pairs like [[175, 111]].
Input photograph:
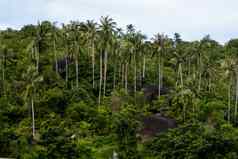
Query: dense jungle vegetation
[[77, 91]]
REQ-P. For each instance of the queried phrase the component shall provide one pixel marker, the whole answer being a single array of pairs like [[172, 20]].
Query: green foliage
[[193, 141], [126, 126], [51, 79]]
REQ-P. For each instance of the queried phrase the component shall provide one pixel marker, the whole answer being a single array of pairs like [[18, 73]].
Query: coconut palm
[[3, 65], [116, 52], [229, 66], [159, 50], [107, 29], [55, 37], [90, 30], [32, 79]]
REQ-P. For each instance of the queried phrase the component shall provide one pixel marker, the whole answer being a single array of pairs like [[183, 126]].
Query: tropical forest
[[92, 90]]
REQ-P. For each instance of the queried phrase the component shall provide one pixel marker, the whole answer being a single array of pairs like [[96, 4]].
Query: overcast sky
[[193, 19]]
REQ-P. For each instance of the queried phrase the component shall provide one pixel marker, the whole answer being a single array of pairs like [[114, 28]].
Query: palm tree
[[32, 80], [230, 73], [138, 44], [37, 45], [159, 50], [115, 51], [54, 37], [107, 29], [75, 33], [3, 65], [65, 35], [90, 30]]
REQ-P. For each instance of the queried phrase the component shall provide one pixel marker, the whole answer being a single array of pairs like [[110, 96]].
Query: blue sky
[[193, 19]]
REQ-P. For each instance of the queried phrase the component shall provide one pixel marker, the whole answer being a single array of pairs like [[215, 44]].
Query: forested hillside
[[87, 90]]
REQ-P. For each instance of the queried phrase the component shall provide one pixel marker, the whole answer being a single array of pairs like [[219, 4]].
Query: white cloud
[[192, 18]]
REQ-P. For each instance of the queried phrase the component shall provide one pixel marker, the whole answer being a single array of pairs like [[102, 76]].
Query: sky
[[192, 19]]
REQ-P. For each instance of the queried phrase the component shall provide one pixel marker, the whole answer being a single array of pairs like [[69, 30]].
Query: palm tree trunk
[[126, 74], [159, 85], [66, 71], [93, 64], [55, 56], [229, 102], [199, 81], [200, 74], [236, 102], [181, 74], [105, 74], [189, 67], [161, 73], [143, 74], [135, 74], [119, 72], [158, 74], [100, 82], [3, 73], [209, 84], [33, 117], [184, 112], [37, 56], [77, 72], [114, 77], [140, 76], [122, 75]]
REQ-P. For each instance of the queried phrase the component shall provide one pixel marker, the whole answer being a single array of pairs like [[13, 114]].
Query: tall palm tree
[[159, 50], [32, 80], [54, 37], [116, 49], [75, 33], [37, 45], [107, 29], [230, 74], [65, 35], [138, 45], [90, 30]]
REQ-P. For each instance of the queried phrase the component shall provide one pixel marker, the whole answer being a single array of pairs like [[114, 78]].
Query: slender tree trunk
[[181, 74], [37, 55], [122, 75], [158, 74], [93, 64], [3, 73], [189, 67], [105, 74], [161, 73], [55, 56], [100, 82], [236, 102], [33, 117], [184, 113], [159, 85], [143, 71], [209, 84], [140, 77], [200, 74], [135, 74], [66, 70], [77, 72], [199, 81], [114, 76], [126, 75], [119, 72], [229, 102], [143, 74]]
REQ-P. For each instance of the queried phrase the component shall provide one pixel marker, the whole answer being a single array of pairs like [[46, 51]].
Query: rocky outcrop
[[155, 124]]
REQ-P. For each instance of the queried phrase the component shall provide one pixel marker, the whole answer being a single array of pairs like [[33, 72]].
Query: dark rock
[[151, 92], [62, 63], [155, 124]]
